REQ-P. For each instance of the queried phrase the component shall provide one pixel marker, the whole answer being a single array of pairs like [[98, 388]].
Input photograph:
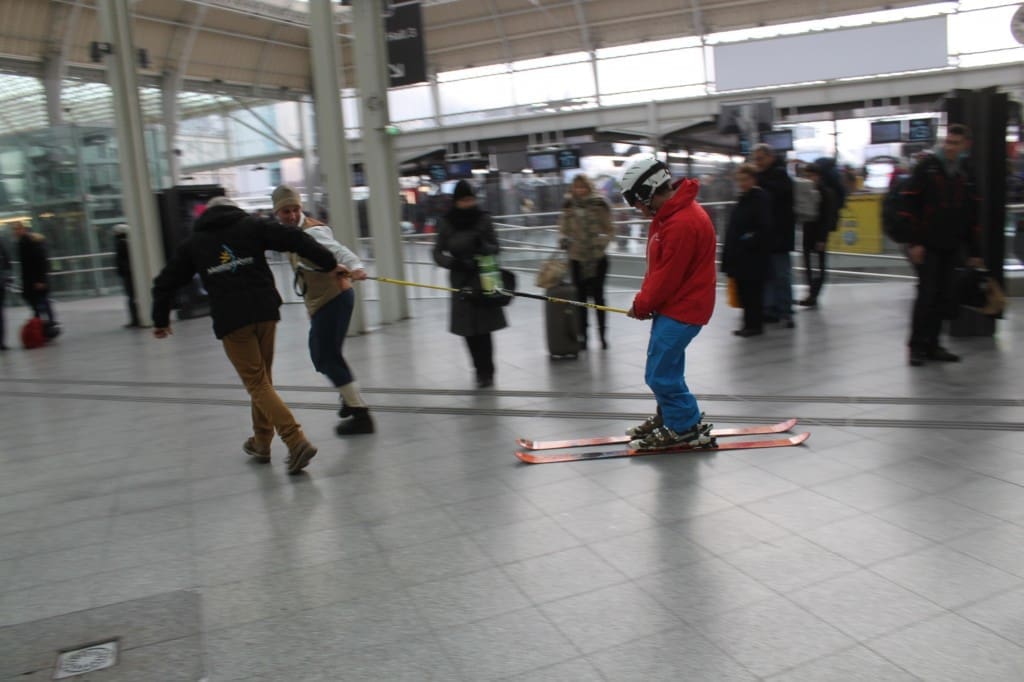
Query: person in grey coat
[[463, 234]]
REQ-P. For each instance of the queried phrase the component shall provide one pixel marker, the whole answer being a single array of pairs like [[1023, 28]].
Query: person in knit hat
[[330, 301], [464, 235]]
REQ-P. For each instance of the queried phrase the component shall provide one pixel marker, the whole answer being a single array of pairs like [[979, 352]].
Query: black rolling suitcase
[[562, 322]]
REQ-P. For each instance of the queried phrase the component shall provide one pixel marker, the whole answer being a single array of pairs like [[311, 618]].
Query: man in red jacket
[[678, 292]]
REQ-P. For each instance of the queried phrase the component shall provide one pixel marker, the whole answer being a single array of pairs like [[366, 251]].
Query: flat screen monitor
[[779, 140], [885, 132], [460, 170], [568, 159], [438, 172], [543, 161], [921, 130], [746, 118]]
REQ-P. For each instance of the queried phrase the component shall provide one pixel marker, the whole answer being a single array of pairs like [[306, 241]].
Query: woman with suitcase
[[587, 229]]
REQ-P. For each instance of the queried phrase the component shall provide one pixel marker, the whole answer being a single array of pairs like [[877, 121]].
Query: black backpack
[[897, 223]]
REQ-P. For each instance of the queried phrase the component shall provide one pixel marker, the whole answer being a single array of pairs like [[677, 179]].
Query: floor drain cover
[[87, 659]]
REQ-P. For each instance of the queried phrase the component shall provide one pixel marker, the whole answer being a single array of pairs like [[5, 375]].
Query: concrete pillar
[[169, 108], [310, 178], [330, 127], [52, 87], [144, 242], [379, 154]]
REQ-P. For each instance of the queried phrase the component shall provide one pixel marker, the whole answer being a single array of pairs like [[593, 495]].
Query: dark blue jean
[[327, 331]]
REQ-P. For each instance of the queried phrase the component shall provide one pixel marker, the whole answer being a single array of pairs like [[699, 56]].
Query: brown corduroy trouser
[[251, 350]]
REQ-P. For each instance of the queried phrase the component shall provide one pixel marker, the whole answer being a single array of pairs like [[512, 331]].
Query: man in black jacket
[[943, 207], [226, 250], [773, 178], [35, 270]]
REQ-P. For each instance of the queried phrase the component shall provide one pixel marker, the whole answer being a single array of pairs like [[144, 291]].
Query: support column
[[330, 128], [139, 202], [310, 179], [169, 109], [52, 82], [379, 154]]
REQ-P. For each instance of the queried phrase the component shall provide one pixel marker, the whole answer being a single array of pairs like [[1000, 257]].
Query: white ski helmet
[[642, 177]]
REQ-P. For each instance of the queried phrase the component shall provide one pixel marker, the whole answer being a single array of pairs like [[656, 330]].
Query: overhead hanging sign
[[403, 31]]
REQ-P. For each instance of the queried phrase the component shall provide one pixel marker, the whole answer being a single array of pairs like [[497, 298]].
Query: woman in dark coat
[[746, 256], [463, 234]]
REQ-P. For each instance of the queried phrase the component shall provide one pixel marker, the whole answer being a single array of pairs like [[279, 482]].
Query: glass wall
[[65, 183]]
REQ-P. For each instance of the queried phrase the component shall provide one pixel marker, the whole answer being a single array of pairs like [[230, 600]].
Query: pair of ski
[[535, 452]]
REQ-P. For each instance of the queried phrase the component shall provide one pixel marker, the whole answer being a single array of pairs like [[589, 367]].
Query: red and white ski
[[532, 457], [535, 445]]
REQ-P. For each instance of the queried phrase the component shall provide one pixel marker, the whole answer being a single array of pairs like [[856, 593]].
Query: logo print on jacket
[[229, 262]]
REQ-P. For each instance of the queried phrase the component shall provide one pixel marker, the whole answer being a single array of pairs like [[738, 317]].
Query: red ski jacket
[[681, 246]]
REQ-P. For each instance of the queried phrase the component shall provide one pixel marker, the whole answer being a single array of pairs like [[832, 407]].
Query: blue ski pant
[[666, 367]]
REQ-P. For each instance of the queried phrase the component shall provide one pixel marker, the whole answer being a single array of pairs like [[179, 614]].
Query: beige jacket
[[587, 224], [322, 287]]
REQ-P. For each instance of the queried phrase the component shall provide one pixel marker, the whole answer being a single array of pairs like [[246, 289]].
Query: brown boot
[[299, 456], [258, 454]]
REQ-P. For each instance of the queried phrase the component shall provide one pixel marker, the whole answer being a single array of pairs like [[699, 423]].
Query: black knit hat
[[462, 190]]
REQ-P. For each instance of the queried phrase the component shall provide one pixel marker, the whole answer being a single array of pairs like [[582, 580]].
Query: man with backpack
[[939, 208]]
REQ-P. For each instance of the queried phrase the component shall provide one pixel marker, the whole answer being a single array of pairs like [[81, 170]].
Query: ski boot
[[662, 438]]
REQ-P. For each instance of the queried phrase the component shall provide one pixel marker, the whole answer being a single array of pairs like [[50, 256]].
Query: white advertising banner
[[827, 55]]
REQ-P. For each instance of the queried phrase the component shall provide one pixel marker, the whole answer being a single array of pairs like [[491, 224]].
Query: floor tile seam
[[854, 568], [605, 536], [536, 604], [947, 544], [37, 552], [874, 513], [822, 622], [732, 505], [931, 491], [516, 393], [51, 481], [262, 577], [537, 414], [855, 647], [441, 636], [855, 474], [947, 613], [287, 569], [799, 532], [1018, 581]]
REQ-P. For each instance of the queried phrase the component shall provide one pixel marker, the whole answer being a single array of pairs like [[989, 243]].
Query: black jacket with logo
[[226, 250]]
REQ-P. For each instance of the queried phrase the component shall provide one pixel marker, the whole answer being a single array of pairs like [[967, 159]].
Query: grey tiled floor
[[890, 547]]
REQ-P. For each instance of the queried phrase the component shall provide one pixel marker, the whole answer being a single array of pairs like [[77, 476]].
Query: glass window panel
[[554, 83], [1010, 56], [651, 46], [475, 72], [682, 92], [981, 31], [651, 71], [490, 92], [410, 103], [555, 60]]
